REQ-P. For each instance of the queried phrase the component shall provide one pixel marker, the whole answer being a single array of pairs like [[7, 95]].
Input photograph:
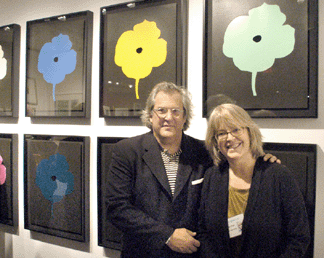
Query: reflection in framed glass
[[9, 70], [262, 56], [58, 65], [108, 235], [56, 179], [141, 44]]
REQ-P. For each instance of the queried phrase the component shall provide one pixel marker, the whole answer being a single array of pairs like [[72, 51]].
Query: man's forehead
[[168, 98], [168, 93]]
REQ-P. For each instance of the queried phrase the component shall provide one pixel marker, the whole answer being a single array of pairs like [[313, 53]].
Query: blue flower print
[[54, 179], [56, 60]]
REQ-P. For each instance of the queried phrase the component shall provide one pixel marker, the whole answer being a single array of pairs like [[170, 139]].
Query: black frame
[[301, 160], [10, 40], [117, 92], [108, 235], [68, 102], [41, 215], [9, 190], [288, 89]]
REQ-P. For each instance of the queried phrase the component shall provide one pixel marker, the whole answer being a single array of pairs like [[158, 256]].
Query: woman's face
[[234, 143]]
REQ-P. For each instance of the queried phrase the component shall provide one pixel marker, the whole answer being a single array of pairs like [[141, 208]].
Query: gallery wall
[[24, 243]]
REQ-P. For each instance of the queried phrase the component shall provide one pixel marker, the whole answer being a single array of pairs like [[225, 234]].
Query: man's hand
[[269, 157], [183, 241]]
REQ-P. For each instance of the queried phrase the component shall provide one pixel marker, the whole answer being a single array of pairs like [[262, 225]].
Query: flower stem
[[254, 74], [136, 88], [52, 209], [54, 91]]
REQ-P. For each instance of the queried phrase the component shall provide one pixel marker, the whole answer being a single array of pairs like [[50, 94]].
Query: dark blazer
[[275, 222], [139, 199]]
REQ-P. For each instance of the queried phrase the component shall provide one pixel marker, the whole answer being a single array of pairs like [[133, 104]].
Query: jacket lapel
[[152, 158], [184, 172], [184, 169], [253, 195]]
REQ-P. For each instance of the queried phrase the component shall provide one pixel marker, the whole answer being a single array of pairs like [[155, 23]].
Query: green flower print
[[256, 40]]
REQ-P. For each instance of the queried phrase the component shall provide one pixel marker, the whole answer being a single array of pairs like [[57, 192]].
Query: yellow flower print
[[139, 50]]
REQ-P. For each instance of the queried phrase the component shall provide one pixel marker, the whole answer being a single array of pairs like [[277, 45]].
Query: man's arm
[[183, 241], [121, 210]]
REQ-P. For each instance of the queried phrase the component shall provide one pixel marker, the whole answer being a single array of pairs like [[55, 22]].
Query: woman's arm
[[295, 219]]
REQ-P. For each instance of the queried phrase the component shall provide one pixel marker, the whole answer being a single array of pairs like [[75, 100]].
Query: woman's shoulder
[[272, 169], [217, 170]]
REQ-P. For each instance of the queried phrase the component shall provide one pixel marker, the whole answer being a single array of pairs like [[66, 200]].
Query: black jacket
[[139, 199], [275, 222]]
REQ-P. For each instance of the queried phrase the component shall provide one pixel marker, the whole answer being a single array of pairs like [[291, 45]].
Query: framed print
[[301, 160], [9, 70], [8, 179], [56, 184], [262, 56], [58, 66], [108, 235], [142, 43]]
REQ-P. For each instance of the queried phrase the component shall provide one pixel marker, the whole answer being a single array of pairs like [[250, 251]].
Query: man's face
[[170, 124]]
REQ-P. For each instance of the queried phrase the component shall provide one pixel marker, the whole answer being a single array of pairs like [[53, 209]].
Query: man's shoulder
[[196, 148], [135, 141], [192, 140]]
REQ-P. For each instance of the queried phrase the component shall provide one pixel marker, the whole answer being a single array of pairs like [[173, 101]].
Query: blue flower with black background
[[57, 59], [54, 179]]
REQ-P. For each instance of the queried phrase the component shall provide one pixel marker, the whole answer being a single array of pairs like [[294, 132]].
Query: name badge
[[235, 225]]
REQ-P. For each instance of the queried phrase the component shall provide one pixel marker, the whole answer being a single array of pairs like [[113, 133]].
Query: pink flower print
[[2, 172]]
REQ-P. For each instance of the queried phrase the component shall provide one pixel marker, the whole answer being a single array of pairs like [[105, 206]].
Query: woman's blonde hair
[[231, 116]]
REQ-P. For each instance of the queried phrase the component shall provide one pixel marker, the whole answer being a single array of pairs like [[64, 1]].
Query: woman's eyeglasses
[[222, 135]]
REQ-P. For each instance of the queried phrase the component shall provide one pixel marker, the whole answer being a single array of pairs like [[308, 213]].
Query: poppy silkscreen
[[5, 71], [9, 69], [6, 194], [262, 64], [150, 33], [55, 185], [57, 66]]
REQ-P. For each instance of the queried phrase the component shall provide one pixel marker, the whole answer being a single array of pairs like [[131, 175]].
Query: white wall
[[274, 130]]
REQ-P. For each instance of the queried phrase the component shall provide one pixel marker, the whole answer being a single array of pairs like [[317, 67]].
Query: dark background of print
[[108, 235], [301, 161], [6, 38], [69, 214], [120, 99], [9, 85], [72, 94], [6, 194], [282, 91]]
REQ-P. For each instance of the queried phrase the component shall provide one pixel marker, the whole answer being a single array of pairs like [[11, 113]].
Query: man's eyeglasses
[[162, 112], [222, 135]]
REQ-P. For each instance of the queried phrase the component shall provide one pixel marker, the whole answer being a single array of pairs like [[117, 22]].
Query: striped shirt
[[171, 163]]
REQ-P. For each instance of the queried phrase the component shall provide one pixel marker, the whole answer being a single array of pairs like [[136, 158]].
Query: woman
[[249, 208]]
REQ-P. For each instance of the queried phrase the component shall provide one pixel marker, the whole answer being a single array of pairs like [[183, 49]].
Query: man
[[155, 180]]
